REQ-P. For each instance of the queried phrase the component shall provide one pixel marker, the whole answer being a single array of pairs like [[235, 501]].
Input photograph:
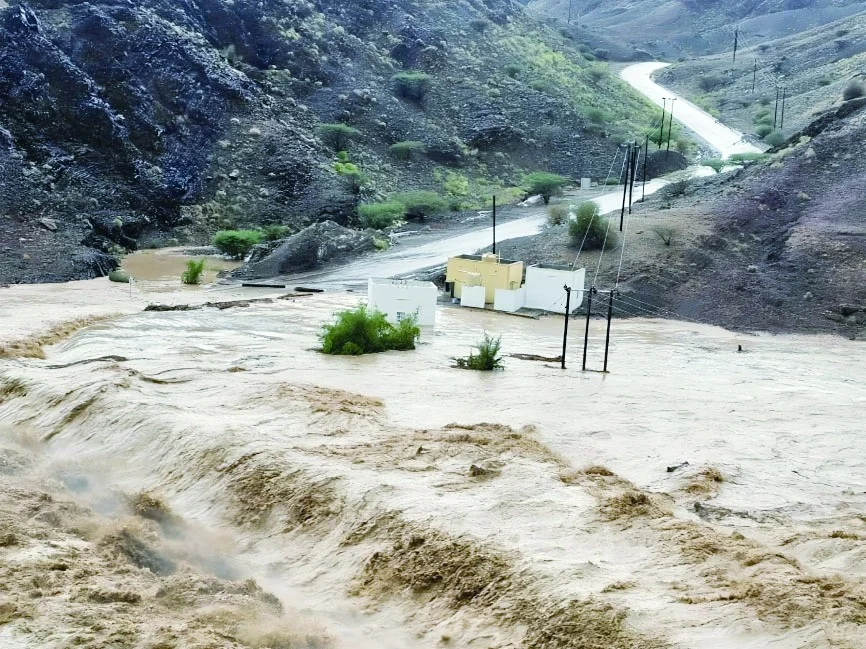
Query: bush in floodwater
[[194, 270], [362, 331], [487, 357], [589, 229], [236, 243]]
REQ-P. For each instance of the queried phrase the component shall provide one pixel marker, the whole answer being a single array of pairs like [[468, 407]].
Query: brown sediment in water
[[11, 388], [33, 346], [707, 482]]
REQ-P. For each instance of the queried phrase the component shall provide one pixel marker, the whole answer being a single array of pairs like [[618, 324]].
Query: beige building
[[486, 270]]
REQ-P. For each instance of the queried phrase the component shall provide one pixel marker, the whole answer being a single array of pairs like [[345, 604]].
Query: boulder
[[48, 224], [310, 248]]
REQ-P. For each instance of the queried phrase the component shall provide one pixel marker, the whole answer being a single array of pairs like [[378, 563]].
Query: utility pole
[[588, 315], [636, 150], [625, 186], [670, 126], [607, 337], [776, 112], [645, 156], [784, 97], [736, 41], [754, 76], [567, 316], [664, 114], [570, 6], [494, 224]]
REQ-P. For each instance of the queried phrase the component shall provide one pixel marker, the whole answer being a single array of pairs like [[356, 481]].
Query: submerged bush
[[487, 359], [419, 204], [337, 136], [380, 215], [545, 183], [362, 331], [589, 229], [193, 272], [236, 243], [411, 85]]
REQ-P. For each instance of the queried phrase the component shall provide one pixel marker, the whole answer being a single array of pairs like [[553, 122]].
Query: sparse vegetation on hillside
[[362, 331], [590, 230], [419, 204], [412, 85], [405, 150], [338, 136], [544, 183], [381, 215]]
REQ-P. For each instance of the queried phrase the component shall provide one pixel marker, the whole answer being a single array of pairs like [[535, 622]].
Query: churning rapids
[[166, 477]]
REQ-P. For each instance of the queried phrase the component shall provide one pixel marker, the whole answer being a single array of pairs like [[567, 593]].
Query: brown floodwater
[[207, 402], [161, 269]]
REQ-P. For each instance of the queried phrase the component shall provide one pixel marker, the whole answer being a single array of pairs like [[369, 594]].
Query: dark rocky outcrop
[[310, 248]]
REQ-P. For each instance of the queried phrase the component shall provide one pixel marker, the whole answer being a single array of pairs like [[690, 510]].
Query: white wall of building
[[473, 296], [509, 300], [544, 288], [400, 298]]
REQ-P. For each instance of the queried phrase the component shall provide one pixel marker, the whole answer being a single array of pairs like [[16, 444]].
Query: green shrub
[[487, 359], [824, 81], [557, 214], [361, 331], [479, 25], [763, 130], [716, 164], [544, 183], [405, 150], [666, 233], [356, 178], [193, 272], [710, 82], [337, 136], [419, 204], [275, 232], [411, 85], [775, 139], [748, 157], [597, 73], [590, 229], [675, 189], [684, 145], [512, 70], [767, 120], [601, 54], [854, 90], [380, 215], [236, 243], [596, 116]]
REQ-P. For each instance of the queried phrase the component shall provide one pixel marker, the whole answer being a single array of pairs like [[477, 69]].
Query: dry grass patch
[[33, 346]]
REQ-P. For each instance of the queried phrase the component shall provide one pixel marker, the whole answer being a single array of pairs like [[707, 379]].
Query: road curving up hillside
[[725, 140]]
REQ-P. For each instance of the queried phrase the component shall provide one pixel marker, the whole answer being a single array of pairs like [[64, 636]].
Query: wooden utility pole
[[784, 97], [664, 114], [671, 126], [736, 41], [645, 156], [634, 165], [570, 7], [588, 316], [754, 76], [776, 111], [494, 224], [567, 316], [607, 336], [625, 185]]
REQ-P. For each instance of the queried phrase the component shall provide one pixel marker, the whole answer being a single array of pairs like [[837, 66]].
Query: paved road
[[725, 140]]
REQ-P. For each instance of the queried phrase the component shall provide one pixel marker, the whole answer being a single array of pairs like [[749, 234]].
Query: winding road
[[405, 260]]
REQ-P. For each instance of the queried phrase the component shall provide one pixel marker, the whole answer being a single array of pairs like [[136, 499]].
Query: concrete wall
[[400, 298], [465, 270], [509, 301], [544, 288], [473, 296]]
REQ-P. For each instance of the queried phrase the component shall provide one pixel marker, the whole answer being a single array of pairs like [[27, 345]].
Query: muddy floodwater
[[251, 492]]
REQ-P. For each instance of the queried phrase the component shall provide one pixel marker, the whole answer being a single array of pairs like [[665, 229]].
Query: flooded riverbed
[[346, 485]]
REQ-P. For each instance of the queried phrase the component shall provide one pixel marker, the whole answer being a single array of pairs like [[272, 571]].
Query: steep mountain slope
[[814, 68], [673, 28], [133, 122]]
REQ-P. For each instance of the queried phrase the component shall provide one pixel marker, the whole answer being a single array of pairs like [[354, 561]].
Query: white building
[[544, 287], [399, 298]]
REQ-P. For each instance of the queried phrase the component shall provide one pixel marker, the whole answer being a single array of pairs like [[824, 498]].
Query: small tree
[[544, 183], [274, 232], [236, 243], [589, 229], [337, 136], [192, 274], [351, 172], [557, 214], [854, 90], [362, 331], [420, 204], [487, 359], [405, 150], [411, 85], [380, 215]]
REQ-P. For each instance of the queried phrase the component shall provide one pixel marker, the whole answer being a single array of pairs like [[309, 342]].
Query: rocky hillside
[[142, 123], [669, 29], [815, 68]]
